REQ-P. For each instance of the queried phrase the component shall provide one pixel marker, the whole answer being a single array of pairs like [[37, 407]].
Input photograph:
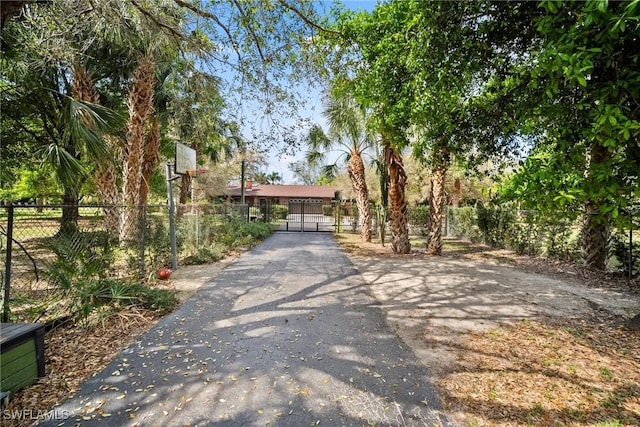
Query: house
[[256, 195]]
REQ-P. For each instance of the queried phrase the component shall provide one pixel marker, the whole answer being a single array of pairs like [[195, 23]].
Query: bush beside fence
[[95, 262], [46, 267], [525, 232]]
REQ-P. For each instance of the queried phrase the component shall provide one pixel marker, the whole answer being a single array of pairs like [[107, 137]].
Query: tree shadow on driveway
[[288, 334]]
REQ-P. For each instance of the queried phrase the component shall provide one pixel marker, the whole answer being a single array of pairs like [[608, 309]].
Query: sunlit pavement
[[287, 335]]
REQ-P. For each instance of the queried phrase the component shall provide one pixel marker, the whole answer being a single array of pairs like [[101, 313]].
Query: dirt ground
[[510, 340]]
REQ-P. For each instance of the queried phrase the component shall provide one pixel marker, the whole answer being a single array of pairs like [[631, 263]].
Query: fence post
[[7, 267], [172, 224], [446, 221], [631, 248]]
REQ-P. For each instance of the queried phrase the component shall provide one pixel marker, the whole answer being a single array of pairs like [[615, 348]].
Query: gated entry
[[309, 215]]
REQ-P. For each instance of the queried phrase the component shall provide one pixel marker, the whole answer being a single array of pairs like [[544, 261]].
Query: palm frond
[[317, 140], [86, 123], [344, 117], [330, 171], [314, 157], [68, 168]]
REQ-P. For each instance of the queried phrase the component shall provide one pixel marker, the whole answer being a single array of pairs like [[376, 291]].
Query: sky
[[313, 112]]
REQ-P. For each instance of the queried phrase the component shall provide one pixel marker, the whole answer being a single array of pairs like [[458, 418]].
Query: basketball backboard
[[185, 159]]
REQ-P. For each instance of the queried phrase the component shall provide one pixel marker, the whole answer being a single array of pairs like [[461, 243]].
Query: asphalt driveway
[[288, 334]]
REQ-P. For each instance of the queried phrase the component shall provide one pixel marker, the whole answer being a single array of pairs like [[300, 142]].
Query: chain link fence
[[532, 233], [41, 249], [527, 232]]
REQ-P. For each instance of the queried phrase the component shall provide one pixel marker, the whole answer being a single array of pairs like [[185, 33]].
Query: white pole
[[172, 225]]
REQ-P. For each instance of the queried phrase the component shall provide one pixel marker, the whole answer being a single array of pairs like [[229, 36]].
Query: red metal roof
[[297, 191]]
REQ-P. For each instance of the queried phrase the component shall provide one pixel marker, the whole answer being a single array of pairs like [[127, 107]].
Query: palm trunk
[[107, 179], [140, 107], [441, 158], [70, 212], [434, 246], [595, 231], [398, 210], [356, 172], [105, 173], [595, 236], [150, 159], [457, 190], [8, 9], [83, 88]]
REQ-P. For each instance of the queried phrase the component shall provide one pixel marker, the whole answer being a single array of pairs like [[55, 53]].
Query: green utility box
[[21, 355]]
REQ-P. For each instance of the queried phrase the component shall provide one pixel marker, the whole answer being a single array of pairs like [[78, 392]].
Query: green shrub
[[112, 295], [620, 249], [419, 216], [205, 255], [161, 301], [463, 223], [327, 210], [216, 234], [279, 212], [250, 233], [494, 223], [523, 234], [84, 276], [560, 242], [157, 247], [80, 255]]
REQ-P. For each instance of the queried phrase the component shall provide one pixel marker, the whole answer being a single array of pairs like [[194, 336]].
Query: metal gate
[[308, 215]]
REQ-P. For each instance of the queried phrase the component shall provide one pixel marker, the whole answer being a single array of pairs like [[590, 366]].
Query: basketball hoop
[[185, 159], [195, 172]]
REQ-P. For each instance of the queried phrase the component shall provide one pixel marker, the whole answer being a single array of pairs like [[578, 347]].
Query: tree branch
[[306, 19], [214, 18], [156, 21], [250, 30]]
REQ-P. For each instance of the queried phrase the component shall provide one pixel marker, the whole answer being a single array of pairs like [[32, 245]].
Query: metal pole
[[196, 211], [172, 224], [446, 221], [631, 248], [7, 267], [242, 178]]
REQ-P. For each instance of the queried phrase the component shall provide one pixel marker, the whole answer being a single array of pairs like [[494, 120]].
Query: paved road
[[287, 335]]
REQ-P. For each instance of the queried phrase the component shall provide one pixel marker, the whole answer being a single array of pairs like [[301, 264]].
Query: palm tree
[[441, 161], [194, 110], [273, 178], [140, 108], [398, 205], [64, 122], [348, 133]]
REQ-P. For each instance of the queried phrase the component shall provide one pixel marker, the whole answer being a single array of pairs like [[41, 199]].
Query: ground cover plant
[[93, 316]]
